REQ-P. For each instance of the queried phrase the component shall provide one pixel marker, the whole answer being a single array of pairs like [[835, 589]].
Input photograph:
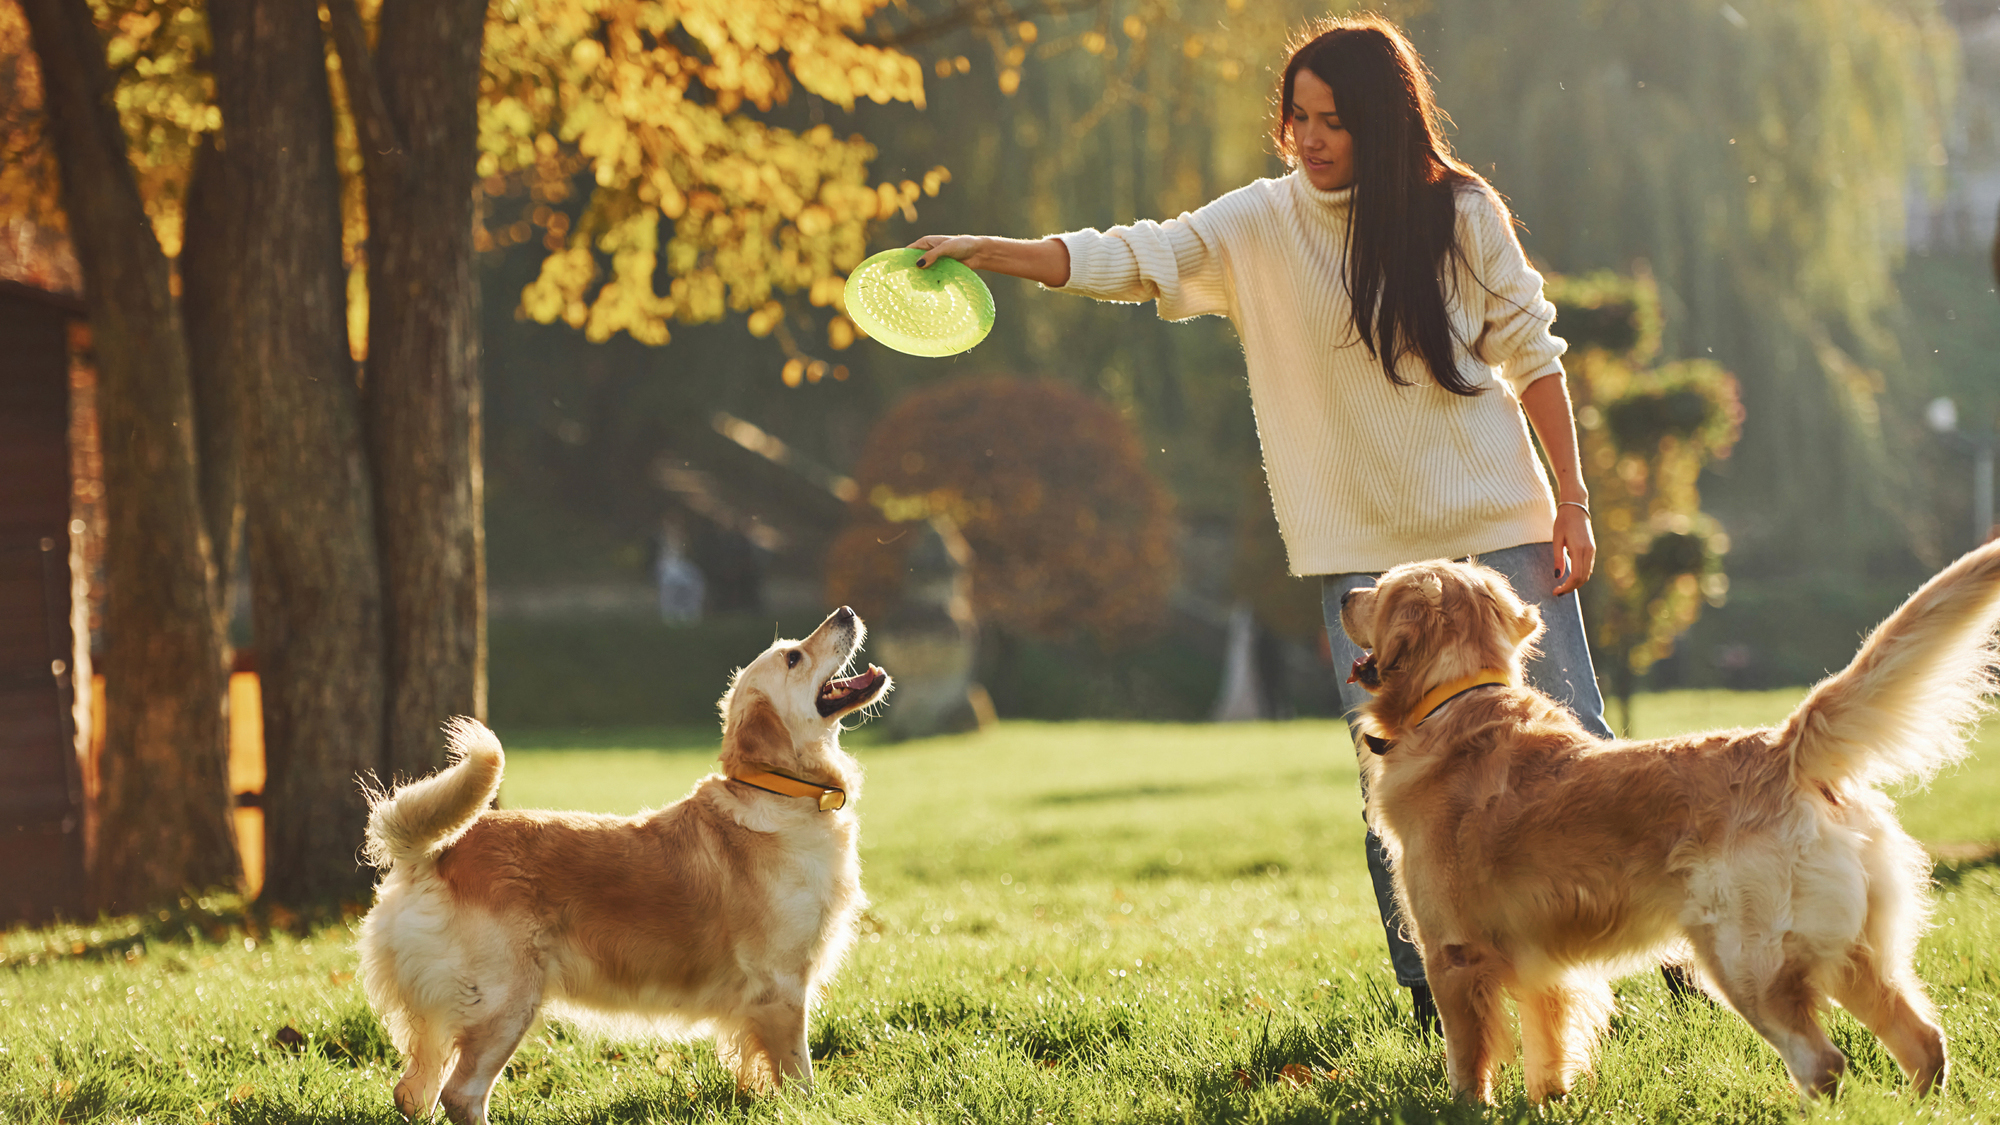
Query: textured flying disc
[[938, 311]]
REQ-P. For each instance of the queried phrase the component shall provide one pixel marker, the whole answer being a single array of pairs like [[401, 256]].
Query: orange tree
[[1072, 536], [1646, 431], [275, 208]]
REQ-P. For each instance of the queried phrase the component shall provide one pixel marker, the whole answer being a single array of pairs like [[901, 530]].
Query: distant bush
[[1072, 536], [616, 673], [1646, 431]]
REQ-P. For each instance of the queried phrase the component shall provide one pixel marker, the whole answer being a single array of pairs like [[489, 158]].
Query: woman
[[1395, 335]]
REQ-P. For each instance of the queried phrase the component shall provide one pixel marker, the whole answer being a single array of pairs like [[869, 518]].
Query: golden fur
[[724, 913], [1533, 859]]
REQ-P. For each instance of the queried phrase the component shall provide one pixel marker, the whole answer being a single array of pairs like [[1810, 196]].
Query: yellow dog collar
[[1451, 689], [829, 797]]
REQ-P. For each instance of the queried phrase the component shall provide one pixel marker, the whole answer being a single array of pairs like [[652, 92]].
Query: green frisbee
[[938, 311]]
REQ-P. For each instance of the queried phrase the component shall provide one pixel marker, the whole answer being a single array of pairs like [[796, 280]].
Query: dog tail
[[423, 818], [1901, 709]]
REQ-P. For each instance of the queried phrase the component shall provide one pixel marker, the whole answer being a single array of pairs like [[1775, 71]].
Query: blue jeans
[[1562, 672]]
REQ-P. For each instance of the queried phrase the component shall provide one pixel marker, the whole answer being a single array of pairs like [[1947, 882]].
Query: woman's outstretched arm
[[1546, 403], [1038, 259]]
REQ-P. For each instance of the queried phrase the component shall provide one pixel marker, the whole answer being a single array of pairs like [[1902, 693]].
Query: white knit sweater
[[1364, 475]]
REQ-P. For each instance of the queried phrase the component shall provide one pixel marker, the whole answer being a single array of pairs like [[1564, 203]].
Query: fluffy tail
[[422, 818], [1901, 709]]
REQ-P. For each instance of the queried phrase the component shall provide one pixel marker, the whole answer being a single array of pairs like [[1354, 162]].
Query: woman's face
[[1325, 149]]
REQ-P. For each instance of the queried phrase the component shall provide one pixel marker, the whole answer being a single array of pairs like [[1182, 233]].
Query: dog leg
[[780, 1029], [741, 1051], [483, 1051], [1465, 981], [417, 1093], [1560, 1027], [1783, 1007], [768, 1049], [1899, 1014]]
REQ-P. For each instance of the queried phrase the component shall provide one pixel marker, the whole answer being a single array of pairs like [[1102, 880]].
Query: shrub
[[1645, 431], [1072, 536]]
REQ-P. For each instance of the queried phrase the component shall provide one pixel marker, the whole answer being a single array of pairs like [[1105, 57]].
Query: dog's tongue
[[1360, 662], [852, 683]]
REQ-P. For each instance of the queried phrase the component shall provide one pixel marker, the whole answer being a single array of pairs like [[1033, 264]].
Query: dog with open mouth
[[724, 913], [1532, 858]]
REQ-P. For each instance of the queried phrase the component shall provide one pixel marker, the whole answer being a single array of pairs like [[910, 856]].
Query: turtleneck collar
[[1337, 199]]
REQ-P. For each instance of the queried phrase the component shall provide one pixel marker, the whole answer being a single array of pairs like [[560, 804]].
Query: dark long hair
[[1403, 223]]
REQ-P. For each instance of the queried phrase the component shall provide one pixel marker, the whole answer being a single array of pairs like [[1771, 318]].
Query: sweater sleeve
[[1178, 263], [1515, 336]]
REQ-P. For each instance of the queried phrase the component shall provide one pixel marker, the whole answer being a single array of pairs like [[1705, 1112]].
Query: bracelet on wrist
[[1575, 504]]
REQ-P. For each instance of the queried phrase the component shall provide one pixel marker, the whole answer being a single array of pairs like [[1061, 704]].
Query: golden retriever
[[1535, 859], [724, 913]]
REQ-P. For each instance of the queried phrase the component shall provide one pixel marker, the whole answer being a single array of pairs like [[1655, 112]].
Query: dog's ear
[[758, 735], [1431, 587], [1528, 625]]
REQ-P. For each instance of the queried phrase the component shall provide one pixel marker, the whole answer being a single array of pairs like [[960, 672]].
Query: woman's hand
[[1573, 539], [1040, 259], [964, 247], [1546, 403]]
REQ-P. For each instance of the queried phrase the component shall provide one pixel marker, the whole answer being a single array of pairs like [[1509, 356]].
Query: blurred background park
[[582, 420]]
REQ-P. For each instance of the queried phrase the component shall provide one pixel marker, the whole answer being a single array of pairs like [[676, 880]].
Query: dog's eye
[[793, 657]]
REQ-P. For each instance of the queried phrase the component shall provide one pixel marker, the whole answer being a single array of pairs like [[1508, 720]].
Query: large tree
[[304, 130], [163, 803], [275, 327]]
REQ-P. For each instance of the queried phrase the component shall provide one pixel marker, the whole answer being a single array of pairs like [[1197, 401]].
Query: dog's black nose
[[843, 615], [1348, 594]]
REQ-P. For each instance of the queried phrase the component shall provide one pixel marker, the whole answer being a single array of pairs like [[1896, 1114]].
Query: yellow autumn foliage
[[696, 209], [645, 97], [165, 101]]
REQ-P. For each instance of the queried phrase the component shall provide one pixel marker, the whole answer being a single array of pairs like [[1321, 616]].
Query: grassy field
[[1077, 922]]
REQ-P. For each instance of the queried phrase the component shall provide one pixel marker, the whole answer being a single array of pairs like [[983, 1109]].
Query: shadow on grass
[[212, 918], [1141, 792], [1052, 1034]]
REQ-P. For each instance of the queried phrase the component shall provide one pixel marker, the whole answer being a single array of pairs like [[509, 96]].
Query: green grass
[[1077, 922]]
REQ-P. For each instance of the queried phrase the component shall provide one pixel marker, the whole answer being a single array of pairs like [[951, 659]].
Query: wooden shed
[[44, 629]]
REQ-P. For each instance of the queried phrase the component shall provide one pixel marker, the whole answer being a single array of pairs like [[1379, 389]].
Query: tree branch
[[379, 144]]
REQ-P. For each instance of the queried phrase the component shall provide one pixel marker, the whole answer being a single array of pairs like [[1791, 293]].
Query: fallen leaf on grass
[[1291, 1074]]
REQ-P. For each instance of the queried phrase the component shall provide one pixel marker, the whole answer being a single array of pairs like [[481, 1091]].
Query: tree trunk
[[313, 573], [210, 247], [164, 806], [422, 385]]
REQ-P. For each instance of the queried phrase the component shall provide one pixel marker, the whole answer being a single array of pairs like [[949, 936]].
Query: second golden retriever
[[1534, 859], [724, 913]]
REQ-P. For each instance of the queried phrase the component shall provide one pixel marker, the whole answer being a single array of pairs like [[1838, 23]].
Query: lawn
[[1075, 922]]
